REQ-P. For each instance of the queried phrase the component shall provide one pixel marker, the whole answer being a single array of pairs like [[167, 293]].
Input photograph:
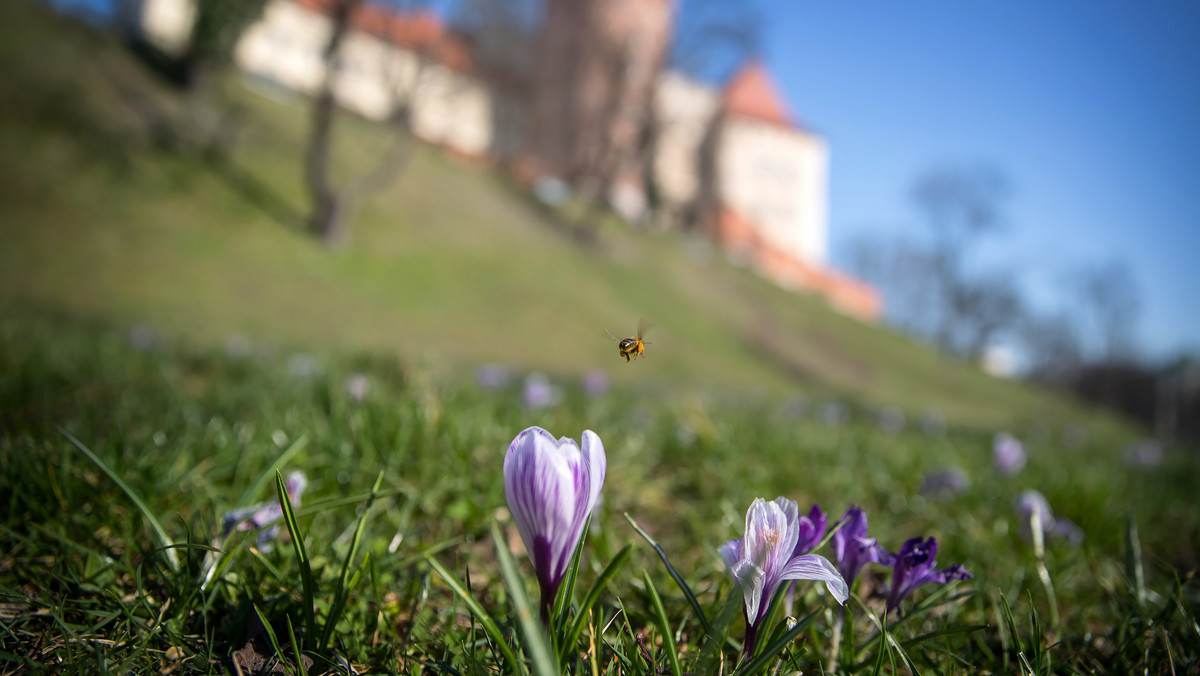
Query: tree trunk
[[328, 209]]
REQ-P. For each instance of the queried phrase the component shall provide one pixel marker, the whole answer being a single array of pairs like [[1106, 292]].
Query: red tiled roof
[[751, 93], [422, 31], [739, 235]]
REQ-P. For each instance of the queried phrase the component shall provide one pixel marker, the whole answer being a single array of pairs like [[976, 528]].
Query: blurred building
[[594, 107]]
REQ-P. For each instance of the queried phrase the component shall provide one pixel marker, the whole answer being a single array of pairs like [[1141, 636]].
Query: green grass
[[117, 463], [86, 582]]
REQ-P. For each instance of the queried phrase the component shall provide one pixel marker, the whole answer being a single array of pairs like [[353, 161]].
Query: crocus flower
[[539, 393], [258, 516], [892, 420], [1031, 503], [492, 376], [933, 423], [552, 486], [595, 383], [811, 530], [357, 385], [1145, 453], [945, 482], [852, 549], [913, 567], [1007, 454], [765, 557]]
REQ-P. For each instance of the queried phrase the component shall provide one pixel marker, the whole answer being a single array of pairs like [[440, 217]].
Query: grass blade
[[537, 644], [308, 586], [664, 625], [159, 532], [342, 592], [296, 654], [272, 638], [683, 586], [562, 600], [485, 620], [772, 649], [593, 595], [260, 483]]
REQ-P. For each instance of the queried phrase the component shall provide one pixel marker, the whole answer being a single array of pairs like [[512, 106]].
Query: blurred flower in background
[[1145, 453], [1034, 511], [264, 513], [492, 376], [945, 482], [1008, 455], [539, 393], [595, 383], [357, 385]]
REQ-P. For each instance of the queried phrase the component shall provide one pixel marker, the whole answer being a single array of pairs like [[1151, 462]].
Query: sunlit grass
[[87, 581]]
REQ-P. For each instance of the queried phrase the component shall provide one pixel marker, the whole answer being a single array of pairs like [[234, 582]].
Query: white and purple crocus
[[264, 514], [913, 567], [552, 486], [766, 557]]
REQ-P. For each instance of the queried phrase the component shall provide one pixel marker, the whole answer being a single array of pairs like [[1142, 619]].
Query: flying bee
[[631, 347]]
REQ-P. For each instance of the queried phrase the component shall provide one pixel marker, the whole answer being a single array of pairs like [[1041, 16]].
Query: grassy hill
[[451, 266]]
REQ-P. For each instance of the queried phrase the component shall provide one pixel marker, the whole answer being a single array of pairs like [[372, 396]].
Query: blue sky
[[1090, 107]]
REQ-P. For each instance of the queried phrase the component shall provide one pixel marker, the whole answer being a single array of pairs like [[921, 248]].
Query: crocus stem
[[835, 647], [748, 644], [547, 604]]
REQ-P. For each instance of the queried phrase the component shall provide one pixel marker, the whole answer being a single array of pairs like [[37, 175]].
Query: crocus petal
[[791, 534], [732, 553], [811, 529], [913, 568], [594, 465], [766, 527], [538, 484], [816, 567], [753, 582]]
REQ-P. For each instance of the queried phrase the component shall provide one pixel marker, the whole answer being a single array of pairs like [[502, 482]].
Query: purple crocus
[[264, 513], [1008, 455], [1031, 504], [913, 567], [765, 558], [539, 393], [552, 486], [811, 529], [852, 549], [595, 383], [946, 482]]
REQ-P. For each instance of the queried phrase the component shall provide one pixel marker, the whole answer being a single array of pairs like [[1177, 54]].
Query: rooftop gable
[[751, 93]]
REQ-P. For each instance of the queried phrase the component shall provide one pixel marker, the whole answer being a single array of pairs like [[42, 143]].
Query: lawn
[[170, 340]]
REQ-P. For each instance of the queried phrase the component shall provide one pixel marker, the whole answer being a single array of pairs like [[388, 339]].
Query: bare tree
[[713, 38], [1052, 346], [215, 31], [1109, 294], [710, 40], [333, 205], [962, 206]]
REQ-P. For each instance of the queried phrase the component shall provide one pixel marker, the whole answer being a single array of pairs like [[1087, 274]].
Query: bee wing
[[610, 335], [643, 327]]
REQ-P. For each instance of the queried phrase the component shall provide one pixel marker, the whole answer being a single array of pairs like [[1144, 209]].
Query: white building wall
[[777, 177], [374, 77], [165, 24], [684, 109]]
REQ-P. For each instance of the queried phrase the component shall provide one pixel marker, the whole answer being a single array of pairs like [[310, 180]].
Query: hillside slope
[[450, 266]]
